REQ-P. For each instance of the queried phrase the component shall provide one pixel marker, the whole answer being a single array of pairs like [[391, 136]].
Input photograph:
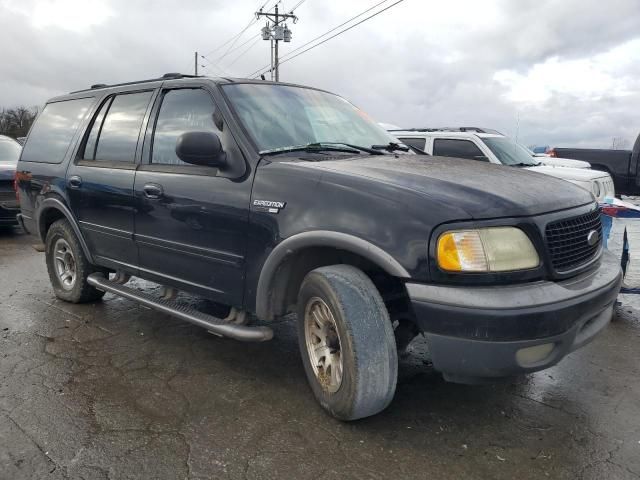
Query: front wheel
[[347, 342]]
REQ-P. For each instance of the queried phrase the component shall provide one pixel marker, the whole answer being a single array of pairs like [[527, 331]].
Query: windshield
[[509, 152], [279, 116], [9, 151]]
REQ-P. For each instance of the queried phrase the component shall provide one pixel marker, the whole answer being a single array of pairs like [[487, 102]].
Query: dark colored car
[[9, 154], [622, 165], [272, 198]]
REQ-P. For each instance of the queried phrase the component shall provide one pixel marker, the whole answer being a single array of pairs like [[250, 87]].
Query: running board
[[215, 325]]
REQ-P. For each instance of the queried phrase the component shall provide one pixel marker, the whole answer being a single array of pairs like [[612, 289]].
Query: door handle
[[75, 181], [152, 190]]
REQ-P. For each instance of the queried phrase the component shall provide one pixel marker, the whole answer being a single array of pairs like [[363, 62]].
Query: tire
[[61, 240], [365, 342]]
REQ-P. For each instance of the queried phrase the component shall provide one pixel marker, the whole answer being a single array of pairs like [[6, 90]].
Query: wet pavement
[[114, 390]]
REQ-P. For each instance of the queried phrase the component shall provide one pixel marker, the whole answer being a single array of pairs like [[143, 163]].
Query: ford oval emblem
[[592, 238]]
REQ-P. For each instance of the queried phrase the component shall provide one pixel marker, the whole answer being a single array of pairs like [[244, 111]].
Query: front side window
[[184, 110], [447, 147], [54, 129], [115, 130], [279, 116]]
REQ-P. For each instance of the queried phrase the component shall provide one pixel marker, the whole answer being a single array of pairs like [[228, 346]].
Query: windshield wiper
[[391, 147], [523, 164], [321, 146]]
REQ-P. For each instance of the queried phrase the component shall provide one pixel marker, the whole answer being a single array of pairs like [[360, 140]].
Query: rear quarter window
[[51, 135]]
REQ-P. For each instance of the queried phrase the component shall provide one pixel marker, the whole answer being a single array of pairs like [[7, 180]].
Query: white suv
[[486, 145]]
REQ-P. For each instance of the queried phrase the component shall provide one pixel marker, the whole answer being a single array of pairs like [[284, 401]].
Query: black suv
[[272, 198]]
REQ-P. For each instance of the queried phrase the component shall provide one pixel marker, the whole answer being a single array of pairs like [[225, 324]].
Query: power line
[[218, 68], [297, 5], [257, 39], [257, 35], [253, 20], [262, 69], [342, 31]]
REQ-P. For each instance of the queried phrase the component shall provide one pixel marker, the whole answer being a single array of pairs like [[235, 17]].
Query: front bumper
[[480, 332]]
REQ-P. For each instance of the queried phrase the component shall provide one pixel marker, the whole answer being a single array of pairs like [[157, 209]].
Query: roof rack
[[449, 129], [166, 76]]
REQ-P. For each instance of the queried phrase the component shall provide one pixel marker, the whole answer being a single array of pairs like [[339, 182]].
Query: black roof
[[168, 77]]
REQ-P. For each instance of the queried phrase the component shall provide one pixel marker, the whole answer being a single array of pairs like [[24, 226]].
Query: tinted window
[[119, 134], [189, 110], [418, 143], [9, 151], [446, 147], [52, 133]]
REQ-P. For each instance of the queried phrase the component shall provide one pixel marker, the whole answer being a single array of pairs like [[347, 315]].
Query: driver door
[[191, 222]]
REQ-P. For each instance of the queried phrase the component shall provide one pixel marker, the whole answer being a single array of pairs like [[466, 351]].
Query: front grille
[[567, 241]]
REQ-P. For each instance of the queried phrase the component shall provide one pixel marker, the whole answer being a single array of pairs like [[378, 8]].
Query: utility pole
[[195, 63], [275, 32]]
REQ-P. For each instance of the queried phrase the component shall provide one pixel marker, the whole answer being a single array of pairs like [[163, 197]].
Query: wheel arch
[[52, 209], [291, 259]]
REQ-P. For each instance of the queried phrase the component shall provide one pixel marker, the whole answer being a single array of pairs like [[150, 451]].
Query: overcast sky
[[569, 70]]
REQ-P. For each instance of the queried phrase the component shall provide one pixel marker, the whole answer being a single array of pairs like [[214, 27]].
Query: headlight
[[494, 249], [595, 187]]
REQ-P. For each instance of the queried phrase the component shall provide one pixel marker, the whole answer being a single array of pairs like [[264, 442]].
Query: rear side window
[[418, 143], [53, 131], [186, 110], [447, 147], [116, 127]]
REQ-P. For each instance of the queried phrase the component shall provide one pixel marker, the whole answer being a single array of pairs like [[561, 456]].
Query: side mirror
[[481, 158], [201, 148]]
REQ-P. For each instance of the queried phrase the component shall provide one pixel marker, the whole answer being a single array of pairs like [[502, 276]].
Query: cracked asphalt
[[112, 390]]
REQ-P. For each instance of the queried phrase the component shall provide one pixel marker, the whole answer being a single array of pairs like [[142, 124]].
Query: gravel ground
[[113, 390]]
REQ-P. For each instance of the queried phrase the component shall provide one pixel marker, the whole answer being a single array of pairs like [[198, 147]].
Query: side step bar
[[215, 325]]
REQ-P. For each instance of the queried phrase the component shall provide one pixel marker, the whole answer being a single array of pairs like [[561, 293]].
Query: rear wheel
[[347, 343], [68, 266]]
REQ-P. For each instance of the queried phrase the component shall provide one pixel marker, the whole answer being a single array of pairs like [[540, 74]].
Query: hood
[[480, 189], [574, 174], [562, 162]]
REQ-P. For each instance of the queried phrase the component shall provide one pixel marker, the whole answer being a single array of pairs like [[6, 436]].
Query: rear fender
[[53, 203]]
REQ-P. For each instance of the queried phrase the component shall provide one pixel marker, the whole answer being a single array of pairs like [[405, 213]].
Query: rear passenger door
[[458, 148], [100, 181], [191, 221]]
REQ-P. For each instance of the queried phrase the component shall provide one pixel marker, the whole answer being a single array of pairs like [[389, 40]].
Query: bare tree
[[16, 122]]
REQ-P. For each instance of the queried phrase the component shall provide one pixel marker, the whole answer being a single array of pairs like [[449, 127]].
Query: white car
[[486, 145], [547, 159]]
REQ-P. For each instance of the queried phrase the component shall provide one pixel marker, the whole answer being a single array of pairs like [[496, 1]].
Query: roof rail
[[166, 76]]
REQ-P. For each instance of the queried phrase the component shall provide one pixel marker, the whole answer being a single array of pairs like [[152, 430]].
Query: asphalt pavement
[[113, 390]]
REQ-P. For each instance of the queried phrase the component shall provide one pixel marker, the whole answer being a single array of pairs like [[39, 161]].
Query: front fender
[[320, 238]]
